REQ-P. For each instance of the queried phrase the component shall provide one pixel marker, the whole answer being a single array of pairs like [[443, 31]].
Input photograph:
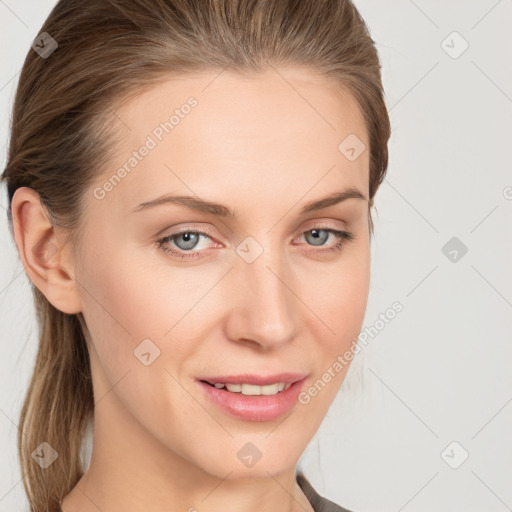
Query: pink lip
[[251, 407]]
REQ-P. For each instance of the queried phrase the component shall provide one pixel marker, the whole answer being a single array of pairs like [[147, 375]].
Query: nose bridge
[[265, 297]]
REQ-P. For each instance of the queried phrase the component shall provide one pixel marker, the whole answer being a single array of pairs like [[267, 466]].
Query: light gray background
[[440, 371]]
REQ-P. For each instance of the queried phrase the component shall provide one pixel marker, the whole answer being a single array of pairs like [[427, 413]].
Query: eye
[[319, 235], [191, 241], [184, 241]]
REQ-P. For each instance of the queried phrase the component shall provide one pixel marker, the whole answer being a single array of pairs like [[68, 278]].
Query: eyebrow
[[203, 206]]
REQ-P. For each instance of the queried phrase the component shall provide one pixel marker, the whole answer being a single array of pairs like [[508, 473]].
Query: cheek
[[339, 301], [339, 298], [132, 297], [117, 307], [123, 308]]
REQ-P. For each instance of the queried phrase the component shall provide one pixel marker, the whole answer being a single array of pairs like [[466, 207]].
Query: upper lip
[[256, 380]]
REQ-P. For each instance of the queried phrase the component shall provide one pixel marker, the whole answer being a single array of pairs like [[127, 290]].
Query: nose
[[264, 306]]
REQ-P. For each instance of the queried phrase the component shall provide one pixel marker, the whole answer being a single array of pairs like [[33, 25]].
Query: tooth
[[234, 388], [287, 385], [250, 389], [271, 389]]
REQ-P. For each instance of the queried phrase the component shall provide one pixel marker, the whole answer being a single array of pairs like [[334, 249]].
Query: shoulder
[[319, 503]]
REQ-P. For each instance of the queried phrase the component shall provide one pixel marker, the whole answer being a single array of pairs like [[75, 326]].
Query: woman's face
[[254, 285]]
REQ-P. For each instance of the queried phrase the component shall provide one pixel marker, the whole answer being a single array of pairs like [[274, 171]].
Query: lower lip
[[254, 407]]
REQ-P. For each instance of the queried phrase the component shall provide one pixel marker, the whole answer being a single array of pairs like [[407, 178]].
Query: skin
[[265, 149]]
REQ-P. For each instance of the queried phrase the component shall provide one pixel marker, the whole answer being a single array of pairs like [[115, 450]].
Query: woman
[[190, 188]]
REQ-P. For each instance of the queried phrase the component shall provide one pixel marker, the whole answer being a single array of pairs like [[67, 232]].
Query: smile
[[250, 401]]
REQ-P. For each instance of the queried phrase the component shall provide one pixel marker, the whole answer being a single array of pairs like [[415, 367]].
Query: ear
[[44, 254]]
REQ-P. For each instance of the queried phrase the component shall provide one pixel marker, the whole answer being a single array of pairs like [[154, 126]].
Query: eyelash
[[343, 237]]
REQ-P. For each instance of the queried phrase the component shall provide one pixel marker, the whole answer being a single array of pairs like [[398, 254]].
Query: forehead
[[284, 128]]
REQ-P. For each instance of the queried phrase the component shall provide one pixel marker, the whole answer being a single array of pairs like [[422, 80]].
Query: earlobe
[[43, 253]]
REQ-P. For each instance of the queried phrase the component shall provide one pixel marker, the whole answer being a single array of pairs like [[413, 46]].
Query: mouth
[[254, 385], [254, 398]]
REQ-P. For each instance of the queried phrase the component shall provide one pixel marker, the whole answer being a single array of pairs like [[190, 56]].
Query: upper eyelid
[[201, 230]]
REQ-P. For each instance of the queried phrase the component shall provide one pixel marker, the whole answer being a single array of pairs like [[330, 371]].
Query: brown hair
[[107, 51]]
